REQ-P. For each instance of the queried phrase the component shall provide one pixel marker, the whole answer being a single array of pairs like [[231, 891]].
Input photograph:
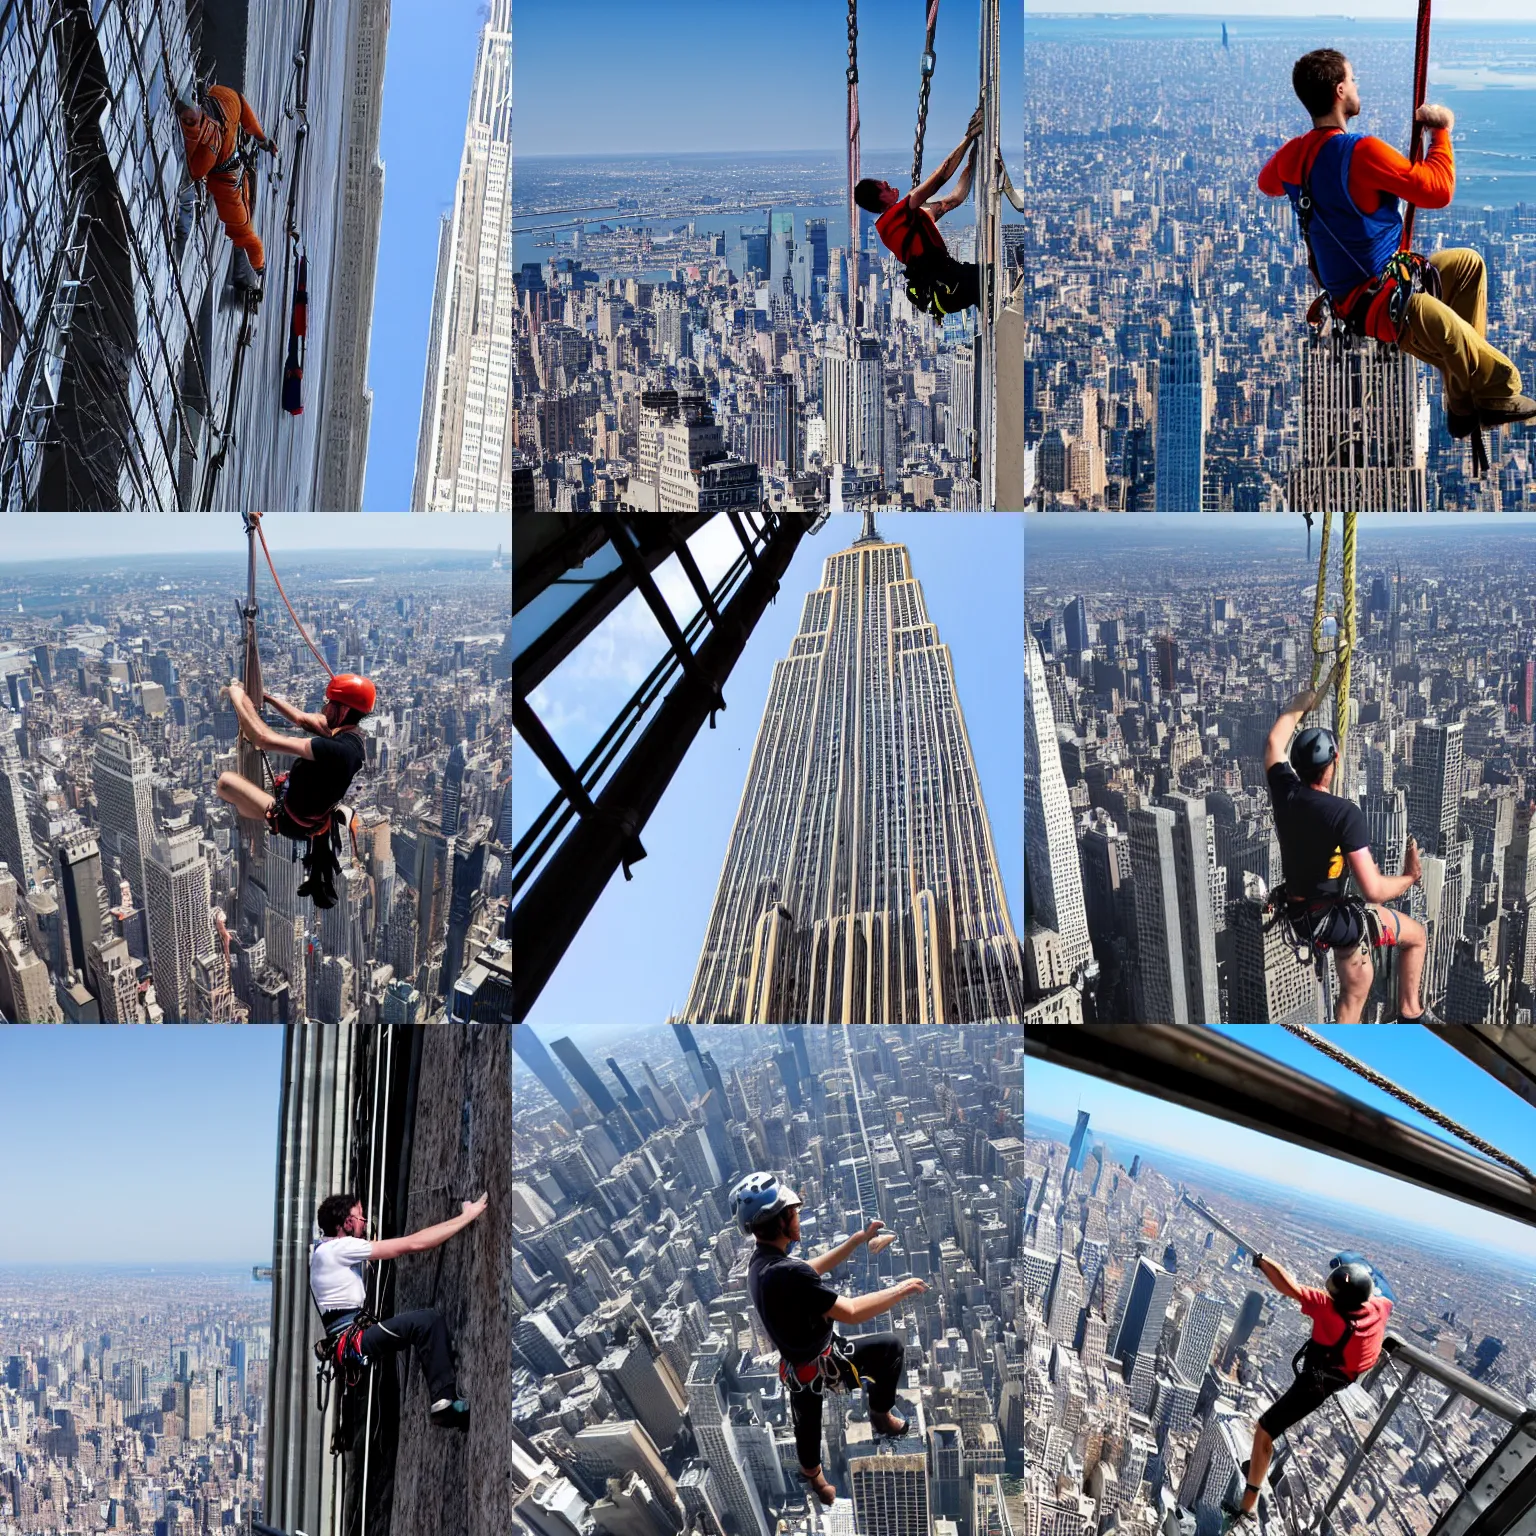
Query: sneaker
[[897, 1427], [1461, 423], [1429, 1016], [451, 1413], [1500, 413]]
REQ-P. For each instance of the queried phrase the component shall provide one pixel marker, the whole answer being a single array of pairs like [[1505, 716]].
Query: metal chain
[[1376, 1080], [922, 93]]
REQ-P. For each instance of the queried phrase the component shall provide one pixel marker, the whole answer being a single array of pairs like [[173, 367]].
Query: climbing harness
[[926, 84], [1387, 1086], [823, 1374], [339, 1357], [1298, 921]]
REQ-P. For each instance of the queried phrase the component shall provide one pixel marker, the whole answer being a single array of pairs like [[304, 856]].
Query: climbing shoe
[[451, 1413], [1461, 423], [1502, 413], [888, 1425], [1429, 1016], [824, 1490]]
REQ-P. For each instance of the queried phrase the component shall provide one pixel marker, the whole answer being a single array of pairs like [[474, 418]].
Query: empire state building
[[861, 885]]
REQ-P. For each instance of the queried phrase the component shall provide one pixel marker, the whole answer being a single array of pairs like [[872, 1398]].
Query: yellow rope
[[1346, 641], [1319, 608]]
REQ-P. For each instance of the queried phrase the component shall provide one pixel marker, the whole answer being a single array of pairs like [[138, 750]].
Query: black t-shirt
[[1317, 832], [792, 1300], [316, 786]]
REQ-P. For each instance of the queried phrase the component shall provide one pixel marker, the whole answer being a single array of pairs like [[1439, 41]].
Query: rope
[[1376, 1080], [303, 633], [1346, 642], [926, 84], [853, 163], [1420, 86]]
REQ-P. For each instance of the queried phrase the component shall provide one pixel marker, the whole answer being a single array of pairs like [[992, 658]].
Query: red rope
[[853, 164], [303, 633], [1420, 86]]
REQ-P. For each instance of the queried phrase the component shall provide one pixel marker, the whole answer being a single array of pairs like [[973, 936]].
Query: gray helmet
[[1350, 1287], [1312, 751], [759, 1196]]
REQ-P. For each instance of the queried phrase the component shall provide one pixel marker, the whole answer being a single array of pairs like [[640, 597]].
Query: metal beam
[[1217, 1075], [559, 900], [1503, 1051]]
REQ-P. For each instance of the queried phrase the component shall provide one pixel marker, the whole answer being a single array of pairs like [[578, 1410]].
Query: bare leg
[[1258, 1465], [1354, 984], [1410, 967], [247, 799]]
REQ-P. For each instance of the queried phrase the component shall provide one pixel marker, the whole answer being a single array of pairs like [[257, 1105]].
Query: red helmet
[[352, 690]]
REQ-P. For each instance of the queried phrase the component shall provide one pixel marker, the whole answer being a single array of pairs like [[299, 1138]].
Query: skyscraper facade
[[16, 846], [1051, 864], [121, 775], [180, 924], [1434, 785], [1182, 411], [1364, 438], [853, 399], [466, 446], [861, 883]]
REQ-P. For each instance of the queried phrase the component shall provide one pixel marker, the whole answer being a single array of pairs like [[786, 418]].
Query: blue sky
[[127, 1145], [1413, 1058], [634, 957]]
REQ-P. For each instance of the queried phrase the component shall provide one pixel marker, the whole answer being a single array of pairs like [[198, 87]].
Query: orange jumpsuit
[[211, 146]]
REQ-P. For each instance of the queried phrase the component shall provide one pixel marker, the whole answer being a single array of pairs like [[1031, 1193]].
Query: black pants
[[876, 1364], [425, 1329], [1306, 1394], [941, 286]]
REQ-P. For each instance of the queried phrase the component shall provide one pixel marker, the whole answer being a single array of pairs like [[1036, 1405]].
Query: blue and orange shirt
[[1375, 176]]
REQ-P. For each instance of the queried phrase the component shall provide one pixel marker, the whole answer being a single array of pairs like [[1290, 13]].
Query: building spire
[[871, 534]]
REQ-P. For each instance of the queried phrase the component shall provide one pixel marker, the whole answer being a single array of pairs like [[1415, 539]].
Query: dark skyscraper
[[587, 1080], [79, 878], [1075, 619], [530, 1048], [1079, 1141], [1247, 1321]]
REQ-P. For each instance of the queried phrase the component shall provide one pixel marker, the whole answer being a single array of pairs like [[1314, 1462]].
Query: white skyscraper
[[1197, 1339], [180, 920], [466, 446], [16, 846], [716, 1436], [853, 399], [1051, 869], [1182, 390], [121, 775]]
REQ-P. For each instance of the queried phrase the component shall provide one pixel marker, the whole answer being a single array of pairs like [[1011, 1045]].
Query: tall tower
[[853, 399], [16, 846], [453, 786], [178, 902], [890, 1494], [79, 882], [1182, 407], [860, 884], [715, 1432], [121, 774], [1364, 438], [1434, 788], [465, 449], [1050, 843]]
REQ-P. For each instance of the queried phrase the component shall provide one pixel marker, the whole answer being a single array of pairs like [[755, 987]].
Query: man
[[1348, 1326], [936, 282], [1321, 837], [1345, 188], [336, 1282], [798, 1310], [211, 130]]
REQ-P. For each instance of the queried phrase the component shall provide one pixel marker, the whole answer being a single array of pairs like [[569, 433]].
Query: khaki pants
[[1450, 333]]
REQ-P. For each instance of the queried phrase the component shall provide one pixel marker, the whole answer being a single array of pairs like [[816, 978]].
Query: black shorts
[[941, 285], [280, 821], [1340, 927], [1307, 1393]]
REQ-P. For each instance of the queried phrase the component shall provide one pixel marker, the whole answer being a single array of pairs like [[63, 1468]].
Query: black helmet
[[1312, 751], [1350, 1287]]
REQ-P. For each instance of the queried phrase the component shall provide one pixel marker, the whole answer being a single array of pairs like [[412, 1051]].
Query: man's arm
[[260, 734], [1377, 887], [315, 724], [428, 1237], [1279, 742], [1270, 182], [823, 1262], [1278, 1276], [859, 1309], [1378, 168], [951, 163], [962, 188]]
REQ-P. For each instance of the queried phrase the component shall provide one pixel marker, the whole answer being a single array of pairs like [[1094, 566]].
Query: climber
[[1345, 188], [307, 797], [798, 1309], [212, 126], [1348, 1326], [336, 1282], [936, 282], [1321, 836]]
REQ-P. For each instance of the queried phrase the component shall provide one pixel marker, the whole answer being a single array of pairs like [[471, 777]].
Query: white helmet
[[759, 1196]]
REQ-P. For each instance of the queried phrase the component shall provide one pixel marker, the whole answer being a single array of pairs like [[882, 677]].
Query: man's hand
[[973, 128], [1433, 116], [472, 1210], [1412, 865], [1258, 1261], [913, 1287]]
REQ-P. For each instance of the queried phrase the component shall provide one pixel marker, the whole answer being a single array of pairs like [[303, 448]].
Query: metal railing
[[1506, 1478]]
